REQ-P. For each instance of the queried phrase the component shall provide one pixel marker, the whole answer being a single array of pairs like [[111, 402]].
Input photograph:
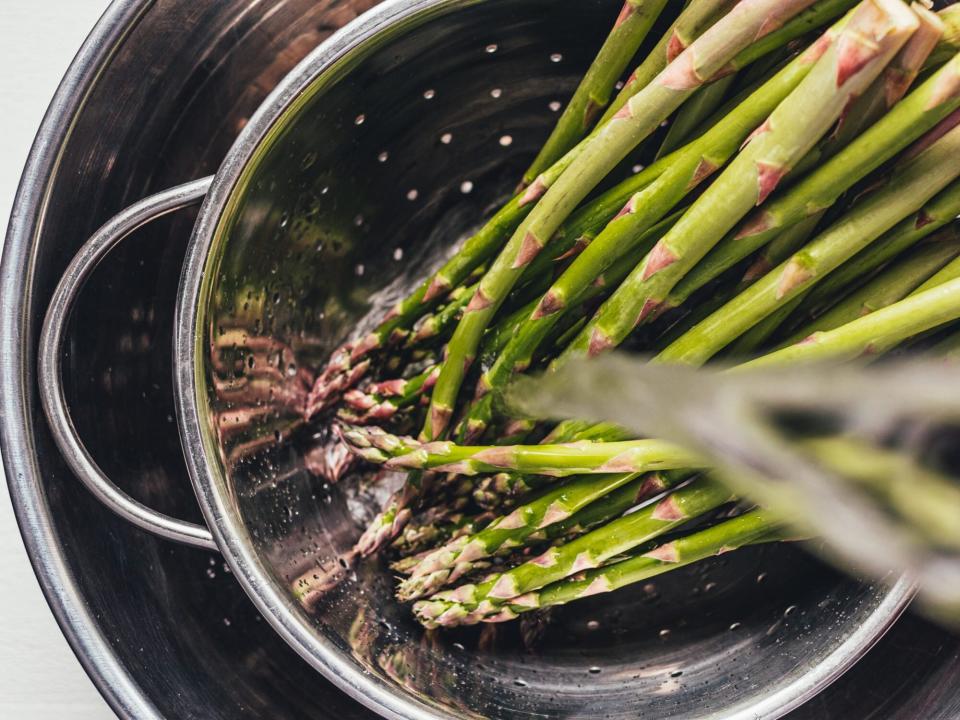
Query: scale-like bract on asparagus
[[748, 529], [642, 114], [873, 35], [469, 604], [905, 192]]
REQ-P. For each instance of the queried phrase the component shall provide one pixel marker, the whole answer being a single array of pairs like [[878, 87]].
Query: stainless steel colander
[[358, 173]]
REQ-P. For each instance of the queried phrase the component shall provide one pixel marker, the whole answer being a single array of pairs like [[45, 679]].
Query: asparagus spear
[[641, 115], [951, 271], [748, 529], [561, 460], [874, 33], [685, 169], [595, 89], [890, 286], [907, 191], [928, 221], [471, 603], [691, 118], [874, 333], [907, 120], [925, 498]]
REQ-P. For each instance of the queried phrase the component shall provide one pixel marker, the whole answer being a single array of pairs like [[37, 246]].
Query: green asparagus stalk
[[748, 529], [753, 339], [874, 33], [920, 111], [686, 169], [641, 115], [874, 333], [596, 88], [691, 118], [780, 248], [951, 271], [561, 460], [890, 286], [929, 501], [907, 191], [930, 221], [472, 603]]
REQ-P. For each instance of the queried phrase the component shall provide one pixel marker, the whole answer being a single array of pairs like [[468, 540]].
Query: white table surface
[[40, 679]]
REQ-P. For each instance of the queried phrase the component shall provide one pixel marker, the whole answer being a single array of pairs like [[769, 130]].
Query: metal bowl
[[304, 234]]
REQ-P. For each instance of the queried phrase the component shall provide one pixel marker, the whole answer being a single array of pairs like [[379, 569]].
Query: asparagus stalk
[[951, 271], [890, 286], [874, 33], [907, 120], [641, 115], [778, 250], [693, 115], [561, 460], [686, 168], [874, 333], [748, 529], [923, 497], [468, 604], [907, 191], [595, 89], [931, 220]]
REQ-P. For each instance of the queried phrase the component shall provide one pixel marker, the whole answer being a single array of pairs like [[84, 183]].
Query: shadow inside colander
[[367, 183]]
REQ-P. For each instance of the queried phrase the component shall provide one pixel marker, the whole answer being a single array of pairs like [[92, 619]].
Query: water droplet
[[594, 670], [761, 577], [555, 105], [359, 269], [592, 625], [412, 194], [790, 611], [665, 632], [636, 168], [446, 138], [619, 85], [226, 621], [495, 93], [506, 141], [556, 57], [358, 220], [676, 673], [398, 254], [211, 573], [466, 187], [383, 157], [359, 119], [491, 48], [735, 626], [458, 646], [520, 682], [429, 94]]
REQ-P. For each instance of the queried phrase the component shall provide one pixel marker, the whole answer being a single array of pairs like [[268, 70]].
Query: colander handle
[[50, 366]]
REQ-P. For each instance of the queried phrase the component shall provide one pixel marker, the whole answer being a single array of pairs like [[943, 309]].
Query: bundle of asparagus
[[800, 200]]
